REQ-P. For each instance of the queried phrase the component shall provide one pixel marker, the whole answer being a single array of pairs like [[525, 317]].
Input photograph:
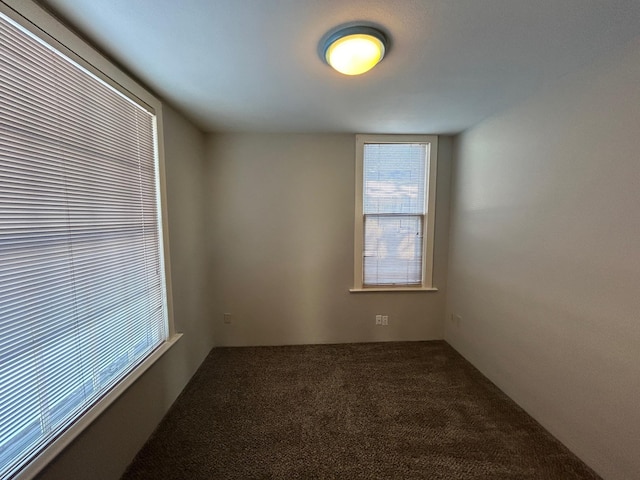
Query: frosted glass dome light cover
[[355, 50]]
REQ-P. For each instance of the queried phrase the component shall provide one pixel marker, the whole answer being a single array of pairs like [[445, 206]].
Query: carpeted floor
[[413, 410]]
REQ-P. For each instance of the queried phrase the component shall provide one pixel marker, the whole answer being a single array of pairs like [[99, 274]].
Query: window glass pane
[[393, 249], [394, 178]]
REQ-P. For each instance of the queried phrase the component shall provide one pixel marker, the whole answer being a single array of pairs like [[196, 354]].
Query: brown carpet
[[413, 410]]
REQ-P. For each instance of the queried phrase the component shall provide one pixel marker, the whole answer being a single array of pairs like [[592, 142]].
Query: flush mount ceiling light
[[355, 50]]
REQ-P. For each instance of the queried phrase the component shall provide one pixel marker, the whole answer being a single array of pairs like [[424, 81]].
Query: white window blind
[[82, 295], [394, 210]]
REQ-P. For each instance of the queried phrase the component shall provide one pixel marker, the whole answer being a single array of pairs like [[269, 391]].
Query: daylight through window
[[82, 294], [394, 232]]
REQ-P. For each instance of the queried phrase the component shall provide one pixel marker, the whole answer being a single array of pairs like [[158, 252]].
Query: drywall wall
[[103, 451], [281, 245], [544, 260]]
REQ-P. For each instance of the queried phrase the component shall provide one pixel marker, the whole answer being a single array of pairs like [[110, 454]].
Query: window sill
[[49, 453], [393, 289]]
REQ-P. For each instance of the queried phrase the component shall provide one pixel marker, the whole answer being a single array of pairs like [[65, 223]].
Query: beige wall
[[103, 451], [281, 213], [545, 259]]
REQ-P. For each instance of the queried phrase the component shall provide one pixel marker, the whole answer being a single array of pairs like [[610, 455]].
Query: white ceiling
[[253, 65]]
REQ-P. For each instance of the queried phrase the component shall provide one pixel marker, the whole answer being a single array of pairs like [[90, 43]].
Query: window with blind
[[82, 286], [395, 197]]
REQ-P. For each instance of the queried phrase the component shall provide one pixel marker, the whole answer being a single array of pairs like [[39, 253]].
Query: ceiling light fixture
[[355, 50]]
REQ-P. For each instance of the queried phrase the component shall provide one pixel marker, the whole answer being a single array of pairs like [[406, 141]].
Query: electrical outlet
[[385, 320], [457, 320], [378, 319], [226, 318]]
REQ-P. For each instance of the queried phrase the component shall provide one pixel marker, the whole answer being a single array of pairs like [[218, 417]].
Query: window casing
[[85, 305], [394, 212]]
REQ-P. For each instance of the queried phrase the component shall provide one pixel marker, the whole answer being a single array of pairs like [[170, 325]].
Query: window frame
[[429, 218], [50, 30]]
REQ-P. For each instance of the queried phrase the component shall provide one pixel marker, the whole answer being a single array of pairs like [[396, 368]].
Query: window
[[83, 305], [395, 214]]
